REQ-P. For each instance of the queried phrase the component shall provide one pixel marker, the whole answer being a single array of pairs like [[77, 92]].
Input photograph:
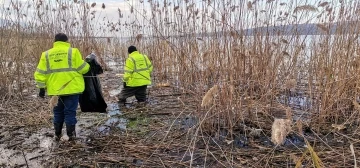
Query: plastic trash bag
[[92, 100]]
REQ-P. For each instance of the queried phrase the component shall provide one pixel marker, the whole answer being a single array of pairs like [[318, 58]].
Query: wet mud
[[164, 133]]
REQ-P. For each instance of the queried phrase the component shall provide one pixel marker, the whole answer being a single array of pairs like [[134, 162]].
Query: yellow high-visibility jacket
[[60, 70], [137, 69]]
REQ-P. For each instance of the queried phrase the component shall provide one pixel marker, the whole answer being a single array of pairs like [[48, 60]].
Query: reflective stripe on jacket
[[60, 70], [138, 68]]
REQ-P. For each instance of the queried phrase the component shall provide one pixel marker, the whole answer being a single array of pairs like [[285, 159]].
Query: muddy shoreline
[[165, 133]]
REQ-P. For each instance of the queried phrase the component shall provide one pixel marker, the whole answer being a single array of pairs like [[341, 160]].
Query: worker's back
[[138, 68], [60, 70]]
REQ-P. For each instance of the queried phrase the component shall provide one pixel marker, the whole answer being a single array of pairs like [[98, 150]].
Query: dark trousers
[[65, 110], [139, 92]]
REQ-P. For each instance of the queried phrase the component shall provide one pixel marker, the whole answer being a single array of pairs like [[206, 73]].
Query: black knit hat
[[61, 37], [131, 49]]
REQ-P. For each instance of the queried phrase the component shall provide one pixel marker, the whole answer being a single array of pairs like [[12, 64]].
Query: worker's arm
[[41, 73], [149, 64], [79, 64], [128, 69]]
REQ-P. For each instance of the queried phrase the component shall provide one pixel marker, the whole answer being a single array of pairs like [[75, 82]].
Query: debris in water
[[111, 121], [163, 84], [114, 92], [53, 101], [279, 130], [64, 138], [338, 127], [113, 113], [46, 143], [255, 132], [209, 96]]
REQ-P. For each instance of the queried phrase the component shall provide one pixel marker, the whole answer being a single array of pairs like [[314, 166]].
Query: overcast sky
[[142, 9]]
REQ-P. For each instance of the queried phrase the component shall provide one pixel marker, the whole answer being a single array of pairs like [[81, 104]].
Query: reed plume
[[53, 102], [209, 96], [280, 129]]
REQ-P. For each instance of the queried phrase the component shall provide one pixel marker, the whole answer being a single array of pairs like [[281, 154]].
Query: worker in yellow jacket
[[137, 76], [60, 71]]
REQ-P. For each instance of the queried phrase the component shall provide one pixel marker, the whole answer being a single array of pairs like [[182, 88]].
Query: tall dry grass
[[202, 44], [199, 45], [196, 45], [27, 28]]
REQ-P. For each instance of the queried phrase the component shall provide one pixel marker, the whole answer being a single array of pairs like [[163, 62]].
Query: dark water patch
[[183, 123], [137, 162], [111, 121], [113, 106], [114, 113], [189, 122], [151, 101], [241, 141], [113, 109], [265, 141], [121, 126], [296, 100], [103, 129], [294, 140], [114, 120]]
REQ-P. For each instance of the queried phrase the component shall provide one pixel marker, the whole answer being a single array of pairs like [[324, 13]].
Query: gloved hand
[[90, 57], [42, 93], [124, 84]]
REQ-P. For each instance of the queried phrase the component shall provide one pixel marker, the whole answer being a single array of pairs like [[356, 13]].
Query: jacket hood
[[61, 44]]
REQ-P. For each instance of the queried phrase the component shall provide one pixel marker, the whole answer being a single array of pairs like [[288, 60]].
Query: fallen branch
[[27, 165]]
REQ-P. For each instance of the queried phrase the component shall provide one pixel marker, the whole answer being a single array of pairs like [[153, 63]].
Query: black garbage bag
[[92, 99]]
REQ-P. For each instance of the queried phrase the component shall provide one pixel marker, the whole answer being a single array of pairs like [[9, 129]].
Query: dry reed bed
[[171, 147], [261, 65], [251, 71]]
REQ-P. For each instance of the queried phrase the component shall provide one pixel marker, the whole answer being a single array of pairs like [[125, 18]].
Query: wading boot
[[122, 104], [58, 128], [70, 131], [140, 105]]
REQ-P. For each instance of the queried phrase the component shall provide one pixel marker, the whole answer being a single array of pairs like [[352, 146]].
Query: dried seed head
[[233, 33], [288, 113], [209, 96], [290, 84], [308, 8], [323, 4], [322, 27], [255, 132], [53, 102], [139, 37], [299, 126], [93, 4], [279, 130], [285, 53], [249, 5], [355, 64], [236, 49], [328, 9], [103, 6], [206, 54], [232, 88], [284, 41]]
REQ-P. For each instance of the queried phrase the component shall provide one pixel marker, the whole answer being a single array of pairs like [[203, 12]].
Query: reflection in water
[[114, 120]]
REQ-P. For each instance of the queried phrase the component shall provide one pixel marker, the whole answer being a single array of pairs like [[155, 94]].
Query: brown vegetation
[[250, 74]]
